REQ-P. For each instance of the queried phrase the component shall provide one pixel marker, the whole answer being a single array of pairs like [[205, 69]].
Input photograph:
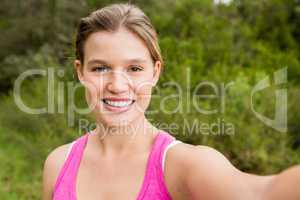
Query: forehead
[[115, 46]]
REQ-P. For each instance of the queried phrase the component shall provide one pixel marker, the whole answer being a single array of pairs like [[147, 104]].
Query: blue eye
[[100, 69]]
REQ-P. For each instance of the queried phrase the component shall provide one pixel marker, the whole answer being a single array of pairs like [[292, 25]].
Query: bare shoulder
[[188, 155], [56, 158], [207, 174], [184, 160], [52, 165]]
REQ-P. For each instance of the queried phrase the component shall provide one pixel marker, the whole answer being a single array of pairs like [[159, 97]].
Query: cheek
[[144, 85], [143, 89], [94, 83], [143, 94], [93, 90], [91, 97]]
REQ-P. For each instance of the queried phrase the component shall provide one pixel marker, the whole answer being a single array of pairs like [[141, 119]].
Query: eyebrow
[[101, 61]]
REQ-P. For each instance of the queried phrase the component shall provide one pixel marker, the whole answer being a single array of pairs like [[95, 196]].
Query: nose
[[118, 82]]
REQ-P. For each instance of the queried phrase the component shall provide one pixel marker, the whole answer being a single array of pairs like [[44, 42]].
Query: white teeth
[[118, 103]]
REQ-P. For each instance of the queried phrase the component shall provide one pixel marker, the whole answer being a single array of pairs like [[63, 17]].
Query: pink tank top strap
[[154, 186], [65, 183]]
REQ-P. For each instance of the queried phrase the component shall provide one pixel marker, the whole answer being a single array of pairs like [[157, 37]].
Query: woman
[[125, 156]]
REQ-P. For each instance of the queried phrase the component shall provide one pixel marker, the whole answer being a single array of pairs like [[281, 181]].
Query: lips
[[117, 104]]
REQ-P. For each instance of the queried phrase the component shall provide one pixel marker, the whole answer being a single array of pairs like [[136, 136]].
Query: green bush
[[242, 43]]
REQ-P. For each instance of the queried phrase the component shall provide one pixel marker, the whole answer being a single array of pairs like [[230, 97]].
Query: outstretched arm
[[285, 185], [209, 175]]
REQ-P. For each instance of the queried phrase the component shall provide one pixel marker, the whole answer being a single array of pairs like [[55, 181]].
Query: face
[[118, 74]]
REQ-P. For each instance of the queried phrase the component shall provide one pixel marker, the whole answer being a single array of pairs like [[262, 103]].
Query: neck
[[126, 140]]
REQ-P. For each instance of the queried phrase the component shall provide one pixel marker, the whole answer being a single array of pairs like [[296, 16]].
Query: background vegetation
[[242, 42]]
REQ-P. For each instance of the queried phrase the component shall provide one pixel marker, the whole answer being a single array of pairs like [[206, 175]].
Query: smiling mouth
[[118, 104]]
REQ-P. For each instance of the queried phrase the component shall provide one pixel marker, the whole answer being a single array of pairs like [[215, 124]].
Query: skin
[[121, 143]]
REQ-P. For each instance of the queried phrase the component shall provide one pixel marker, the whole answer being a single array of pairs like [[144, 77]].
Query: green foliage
[[240, 43]]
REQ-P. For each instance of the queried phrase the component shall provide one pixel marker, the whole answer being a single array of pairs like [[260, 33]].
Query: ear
[[78, 69], [157, 70]]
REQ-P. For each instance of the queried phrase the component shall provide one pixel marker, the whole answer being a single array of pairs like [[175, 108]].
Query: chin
[[115, 120]]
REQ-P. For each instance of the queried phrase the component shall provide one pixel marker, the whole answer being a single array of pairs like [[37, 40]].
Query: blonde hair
[[113, 17]]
